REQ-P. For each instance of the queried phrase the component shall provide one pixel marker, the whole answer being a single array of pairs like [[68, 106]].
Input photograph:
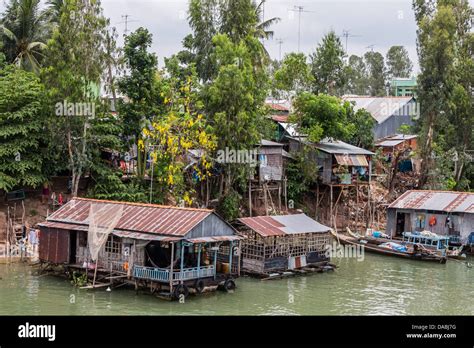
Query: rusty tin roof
[[268, 226], [136, 217], [447, 201]]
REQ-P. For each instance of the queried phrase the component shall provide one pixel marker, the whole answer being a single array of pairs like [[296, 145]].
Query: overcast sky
[[381, 23]]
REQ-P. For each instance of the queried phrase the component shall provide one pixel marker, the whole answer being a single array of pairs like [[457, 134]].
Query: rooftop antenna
[[299, 9], [346, 34], [371, 47], [279, 42], [126, 20]]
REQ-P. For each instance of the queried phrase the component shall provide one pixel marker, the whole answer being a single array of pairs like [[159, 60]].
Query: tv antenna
[[346, 34], [371, 47], [279, 42], [300, 10], [125, 21]]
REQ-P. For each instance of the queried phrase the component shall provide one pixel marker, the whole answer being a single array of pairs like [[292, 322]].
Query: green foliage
[[322, 116], [327, 65], [375, 73], [229, 205], [356, 76], [24, 32], [364, 124], [445, 46], [79, 279], [236, 97], [21, 128], [139, 85], [398, 62], [293, 75], [300, 173]]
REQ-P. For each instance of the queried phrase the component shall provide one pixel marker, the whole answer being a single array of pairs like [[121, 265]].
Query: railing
[[163, 275]]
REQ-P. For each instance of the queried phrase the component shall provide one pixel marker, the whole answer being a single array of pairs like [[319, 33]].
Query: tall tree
[[141, 87], [356, 76], [436, 45], [235, 18], [293, 76], [398, 62], [327, 65], [21, 128], [375, 73], [75, 59], [24, 33], [236, 99]]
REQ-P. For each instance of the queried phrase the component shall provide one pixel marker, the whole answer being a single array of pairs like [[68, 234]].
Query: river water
[[378, 285]]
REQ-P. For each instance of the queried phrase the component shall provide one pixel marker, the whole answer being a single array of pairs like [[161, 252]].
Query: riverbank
[[376, 286]]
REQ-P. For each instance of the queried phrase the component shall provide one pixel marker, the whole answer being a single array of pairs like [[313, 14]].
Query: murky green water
[[379, 285]]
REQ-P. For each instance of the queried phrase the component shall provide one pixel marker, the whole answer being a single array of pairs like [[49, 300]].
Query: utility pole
[[279, 42], [125, 21], [346, 34], [299, 9]]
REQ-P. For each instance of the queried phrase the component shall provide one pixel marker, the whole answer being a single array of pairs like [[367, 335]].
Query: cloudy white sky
[[381, 23]]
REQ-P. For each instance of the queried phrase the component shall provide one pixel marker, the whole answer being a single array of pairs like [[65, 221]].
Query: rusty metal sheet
[[352, 160], [280, 225], [136, 217], [447, 201], [213, 239], [264, 226], [145, 236]]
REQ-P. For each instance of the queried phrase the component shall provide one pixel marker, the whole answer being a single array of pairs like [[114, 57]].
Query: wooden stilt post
[[215, 264], [171, 268], [199, 260], [285, 192], [331, 201], [250, 196], [239, 253], [182, 262], [230, 256]]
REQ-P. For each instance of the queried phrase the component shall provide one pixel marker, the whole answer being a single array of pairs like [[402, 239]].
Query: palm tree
[[262, 29], [24, 32]]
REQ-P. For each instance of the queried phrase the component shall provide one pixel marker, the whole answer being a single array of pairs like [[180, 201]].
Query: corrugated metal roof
[[264, 142], [144, 236], [290, 128], [352, 160], [64, 226], [281, 225], [213, 239], [279, 118], [136, 217], [389, 143], [340, 147], [447, 201], [381, 108]]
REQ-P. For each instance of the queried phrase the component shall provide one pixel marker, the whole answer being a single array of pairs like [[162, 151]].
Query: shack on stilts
[[278, 246], [172, 251]]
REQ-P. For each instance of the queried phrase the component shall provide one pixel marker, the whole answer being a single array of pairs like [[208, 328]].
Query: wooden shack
[[281, 243], [442, 212], [268, 186], [171, 250]]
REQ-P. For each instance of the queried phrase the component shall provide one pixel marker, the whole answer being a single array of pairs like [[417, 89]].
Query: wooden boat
[[422, 254], [436, 244]]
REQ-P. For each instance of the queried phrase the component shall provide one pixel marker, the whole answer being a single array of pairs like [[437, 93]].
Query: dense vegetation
[[210, 96]]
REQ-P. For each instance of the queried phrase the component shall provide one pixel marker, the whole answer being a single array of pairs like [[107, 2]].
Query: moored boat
[[413, 252]]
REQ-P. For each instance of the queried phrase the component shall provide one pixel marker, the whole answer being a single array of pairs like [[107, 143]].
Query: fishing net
[[102, 220]]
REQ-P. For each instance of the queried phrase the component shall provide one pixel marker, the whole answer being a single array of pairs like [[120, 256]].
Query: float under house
[[173, 251]]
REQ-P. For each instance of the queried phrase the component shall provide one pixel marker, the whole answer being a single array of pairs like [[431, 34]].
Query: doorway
[[72, 246], [401, 219]]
